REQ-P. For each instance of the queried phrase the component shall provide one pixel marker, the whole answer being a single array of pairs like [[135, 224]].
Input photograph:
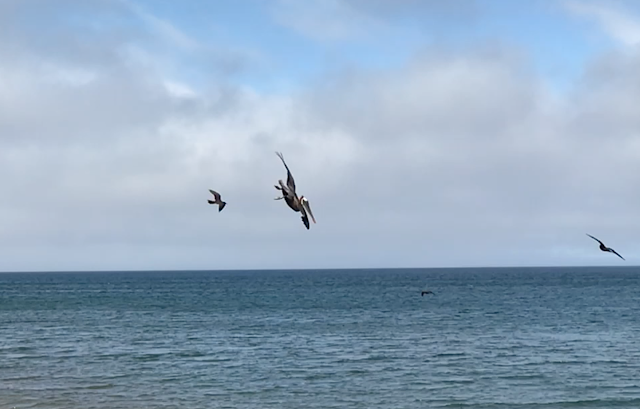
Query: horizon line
[[305, 269]]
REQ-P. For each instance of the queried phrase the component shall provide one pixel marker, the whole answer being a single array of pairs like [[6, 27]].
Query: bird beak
[[307, 207]]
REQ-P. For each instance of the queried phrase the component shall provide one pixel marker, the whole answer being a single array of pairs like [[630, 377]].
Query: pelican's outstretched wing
[[595, 239], [616, 253], [290, 182]]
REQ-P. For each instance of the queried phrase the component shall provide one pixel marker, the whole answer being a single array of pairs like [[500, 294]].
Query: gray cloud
[[457, 158], [484, 160]]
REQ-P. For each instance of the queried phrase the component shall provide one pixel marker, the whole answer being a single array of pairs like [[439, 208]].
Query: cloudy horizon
[[425, 134]]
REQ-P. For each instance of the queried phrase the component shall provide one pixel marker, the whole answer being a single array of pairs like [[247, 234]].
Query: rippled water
[[487, 338]]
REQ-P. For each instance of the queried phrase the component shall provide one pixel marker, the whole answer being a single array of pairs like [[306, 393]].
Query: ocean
[[505, 338]]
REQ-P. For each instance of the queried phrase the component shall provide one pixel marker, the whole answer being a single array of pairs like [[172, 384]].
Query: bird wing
[[595, 239], [616, 253], [215, 194], [290, 182]]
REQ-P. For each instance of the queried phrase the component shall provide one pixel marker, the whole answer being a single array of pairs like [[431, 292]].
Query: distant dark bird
[[426, 292], [297, 204], [217, 200], [605, 248]]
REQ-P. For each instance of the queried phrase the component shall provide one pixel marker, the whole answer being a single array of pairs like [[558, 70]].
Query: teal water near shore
[[487, 338]]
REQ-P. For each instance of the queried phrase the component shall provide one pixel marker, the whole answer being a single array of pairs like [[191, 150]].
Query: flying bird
[[605, 248], [217, 200], [426, 292], [297, 204]]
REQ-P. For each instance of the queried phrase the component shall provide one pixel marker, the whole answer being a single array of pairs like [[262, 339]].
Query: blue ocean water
[[488, 338]]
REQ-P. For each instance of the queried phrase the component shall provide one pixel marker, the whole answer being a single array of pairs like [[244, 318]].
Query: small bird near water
[[426, 292], [217, 200], [605, 248]]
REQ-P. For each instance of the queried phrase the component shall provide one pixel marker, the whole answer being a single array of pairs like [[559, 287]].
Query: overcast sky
[[424, 133]]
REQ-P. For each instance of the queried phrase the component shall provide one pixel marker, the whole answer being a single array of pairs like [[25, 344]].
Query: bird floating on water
[[426, 292], [297, 204], [217, 200], [605, 248]]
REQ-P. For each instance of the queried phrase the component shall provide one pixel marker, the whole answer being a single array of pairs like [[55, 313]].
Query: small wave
[[449, 354], [319, 376], [149, 357], [457, 381], [372, 358], [25, 356], [111, 356], [103, 386], [190, 354], [591, 403], [19, 349], [522, 377]]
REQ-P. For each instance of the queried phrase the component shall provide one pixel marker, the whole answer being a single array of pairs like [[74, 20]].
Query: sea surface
[[534, 338]]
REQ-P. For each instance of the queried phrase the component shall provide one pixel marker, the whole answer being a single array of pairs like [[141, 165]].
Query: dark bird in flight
[[297, 204], [426, 292], [605, 248], [217, 200]]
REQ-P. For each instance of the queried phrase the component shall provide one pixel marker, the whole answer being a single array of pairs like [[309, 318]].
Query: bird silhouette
[[605, 248], [217, 200]]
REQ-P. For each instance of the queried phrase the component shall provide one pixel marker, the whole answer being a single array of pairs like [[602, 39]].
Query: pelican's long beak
[[307, 207]]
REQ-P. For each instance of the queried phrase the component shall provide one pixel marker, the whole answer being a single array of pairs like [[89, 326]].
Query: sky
[[424, 133]]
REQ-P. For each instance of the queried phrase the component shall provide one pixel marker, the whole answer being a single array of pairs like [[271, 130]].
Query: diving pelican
[[217, 200], [297, 204], [605, 248]]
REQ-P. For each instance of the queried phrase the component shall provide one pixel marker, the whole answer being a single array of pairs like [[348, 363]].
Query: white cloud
[[617, 22], [179, 90]]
